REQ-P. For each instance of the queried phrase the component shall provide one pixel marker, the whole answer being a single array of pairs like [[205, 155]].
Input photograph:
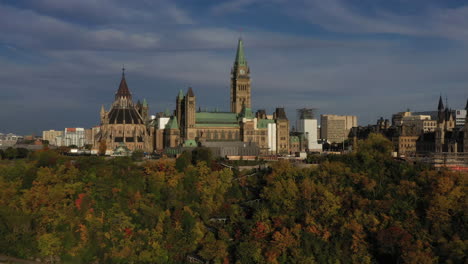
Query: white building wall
[[162, 122], [272, 137], [74, 136], [309, 128]]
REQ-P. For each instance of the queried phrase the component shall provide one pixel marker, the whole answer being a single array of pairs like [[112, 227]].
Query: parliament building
[[129, 124]]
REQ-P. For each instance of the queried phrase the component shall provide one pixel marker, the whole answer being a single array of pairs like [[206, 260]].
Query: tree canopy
[[363, 207]]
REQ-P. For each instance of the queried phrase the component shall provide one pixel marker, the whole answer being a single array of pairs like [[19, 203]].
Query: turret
[[440, 110], [240, 81], [189, 124]]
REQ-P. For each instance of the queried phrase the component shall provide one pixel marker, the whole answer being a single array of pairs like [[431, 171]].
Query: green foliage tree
[[202, 154], [183, 161], [356, 208], [11, 153], [138, 155]]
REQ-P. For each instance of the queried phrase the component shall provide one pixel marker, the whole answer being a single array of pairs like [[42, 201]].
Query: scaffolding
[[306, 113]]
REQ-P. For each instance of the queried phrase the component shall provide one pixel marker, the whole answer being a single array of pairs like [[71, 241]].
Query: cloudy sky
[[60, 60]]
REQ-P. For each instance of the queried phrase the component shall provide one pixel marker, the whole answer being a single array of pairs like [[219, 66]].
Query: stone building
[[125, 123], [129, 123], [51, 136], [336, 128], [269, 133], [449, 137]]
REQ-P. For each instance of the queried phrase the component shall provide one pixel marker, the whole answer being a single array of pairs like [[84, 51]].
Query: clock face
[[242, 71]]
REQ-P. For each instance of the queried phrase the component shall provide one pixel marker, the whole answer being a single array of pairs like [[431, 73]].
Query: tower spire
[[240, 56], [441, 104], [123, 71]]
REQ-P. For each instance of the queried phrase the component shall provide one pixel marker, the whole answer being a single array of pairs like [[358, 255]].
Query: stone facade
[[128, 123], [124, 123]]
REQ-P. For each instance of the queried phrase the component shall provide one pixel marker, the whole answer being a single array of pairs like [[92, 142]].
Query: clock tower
[[240, 81]]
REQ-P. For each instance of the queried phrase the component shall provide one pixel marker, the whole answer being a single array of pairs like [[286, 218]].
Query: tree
[[102, 148], [183, 161], [138, 155], [88, 146], [22, 153], [11, 153], [202, 154]]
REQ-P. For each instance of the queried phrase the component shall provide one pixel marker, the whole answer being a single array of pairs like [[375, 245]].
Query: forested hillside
[[358, 208]]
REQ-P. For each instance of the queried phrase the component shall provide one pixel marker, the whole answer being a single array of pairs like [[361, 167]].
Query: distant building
[[51, 136], [336, 128], [125, 122], [73, 136], [422, 123], [460, 117], [306, 125], [188, 125]]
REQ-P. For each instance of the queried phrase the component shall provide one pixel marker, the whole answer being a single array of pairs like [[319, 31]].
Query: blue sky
[[61, 59]]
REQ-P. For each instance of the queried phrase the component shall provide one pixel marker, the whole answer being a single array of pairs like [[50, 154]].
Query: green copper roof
[[215, 125], [172, 124], [263, 123], [145, 104], [240, 57], [246, 113], [181, 95], [167, 112], [190, 143], [294, 139], [215, 118]]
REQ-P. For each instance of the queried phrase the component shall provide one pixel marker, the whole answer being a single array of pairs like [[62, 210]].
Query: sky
[[60, 60]]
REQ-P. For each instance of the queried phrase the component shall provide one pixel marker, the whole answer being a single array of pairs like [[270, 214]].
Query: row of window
[[243, 87]]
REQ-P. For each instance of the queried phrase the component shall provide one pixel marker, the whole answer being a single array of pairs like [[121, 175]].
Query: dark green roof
[[294, 139], [246, 112], [190, 143], [215, 118], [263, 123], [181, 95], [240, 57], [172, 124]]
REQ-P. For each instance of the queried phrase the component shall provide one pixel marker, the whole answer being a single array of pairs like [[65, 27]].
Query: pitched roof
[[119, 115], [441, 104], [145, 104], [190, 92], [215, 118], [240, 56], [180, 96], [246, 113], [466, 107], [123, 90], [263, 123], [172, 124], [280, 113]]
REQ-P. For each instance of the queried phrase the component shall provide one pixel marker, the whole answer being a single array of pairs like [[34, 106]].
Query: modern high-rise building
[[335, 128]]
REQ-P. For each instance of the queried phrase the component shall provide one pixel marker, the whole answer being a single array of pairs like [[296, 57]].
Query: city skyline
[[340, 57]]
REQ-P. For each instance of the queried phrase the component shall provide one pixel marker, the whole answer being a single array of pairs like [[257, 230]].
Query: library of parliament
[[129, 124]]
